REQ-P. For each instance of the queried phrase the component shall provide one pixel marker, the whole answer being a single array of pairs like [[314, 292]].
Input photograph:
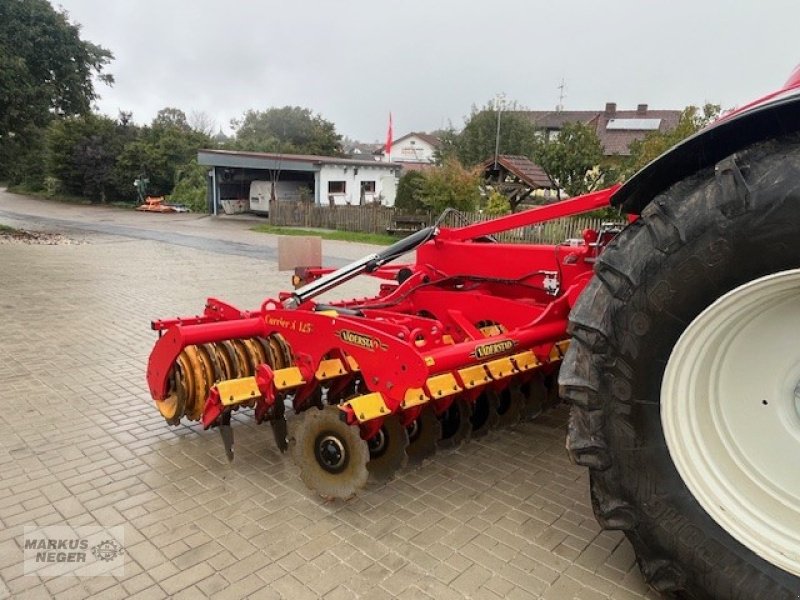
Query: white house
[[343, 182], [413, 148]]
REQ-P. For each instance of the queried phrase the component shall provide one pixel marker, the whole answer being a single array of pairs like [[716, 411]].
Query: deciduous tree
[[290, 129], [191, 186], [46, 71], [160, 151], [476, 142], [497, 205], [82, 152], [202, 122], [171, 118], [451, 185], [409, 192], [572, 159]]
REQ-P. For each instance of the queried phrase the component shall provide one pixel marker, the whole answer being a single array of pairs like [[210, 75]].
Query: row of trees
[[100, 158]]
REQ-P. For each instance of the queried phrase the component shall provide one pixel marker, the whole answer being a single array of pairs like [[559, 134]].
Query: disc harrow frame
[[468, 336]]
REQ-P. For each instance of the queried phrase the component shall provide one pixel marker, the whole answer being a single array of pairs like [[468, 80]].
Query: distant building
[[615, 128], [360, 150], [413, 151], [246, 181]]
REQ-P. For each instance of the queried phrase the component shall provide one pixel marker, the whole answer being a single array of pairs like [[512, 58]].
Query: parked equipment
[[262, 191], [681, 341], [157, 204]]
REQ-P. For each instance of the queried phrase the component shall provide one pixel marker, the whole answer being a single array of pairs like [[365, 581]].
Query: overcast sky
[[428, 61]]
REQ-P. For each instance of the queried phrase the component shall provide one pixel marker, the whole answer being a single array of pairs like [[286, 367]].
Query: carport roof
[[289, 162]]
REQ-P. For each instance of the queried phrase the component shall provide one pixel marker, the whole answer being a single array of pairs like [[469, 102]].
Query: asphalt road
[[219, 235]]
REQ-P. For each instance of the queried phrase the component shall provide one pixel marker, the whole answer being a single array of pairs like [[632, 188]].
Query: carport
[[323, 180]]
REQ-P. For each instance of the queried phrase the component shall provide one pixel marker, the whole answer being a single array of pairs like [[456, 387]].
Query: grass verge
[[381, 239], [6, 230]]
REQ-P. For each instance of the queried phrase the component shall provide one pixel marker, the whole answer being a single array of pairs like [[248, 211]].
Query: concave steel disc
[[387, 450], [423, 434], [456, 426], [331, 455]]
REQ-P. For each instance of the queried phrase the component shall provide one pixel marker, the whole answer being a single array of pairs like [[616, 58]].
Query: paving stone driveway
[[81, 443]]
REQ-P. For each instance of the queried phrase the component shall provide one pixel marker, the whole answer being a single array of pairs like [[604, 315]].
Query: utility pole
[[498, 105]]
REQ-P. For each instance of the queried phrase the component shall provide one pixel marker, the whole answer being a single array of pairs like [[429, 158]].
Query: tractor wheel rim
[[731, 414]]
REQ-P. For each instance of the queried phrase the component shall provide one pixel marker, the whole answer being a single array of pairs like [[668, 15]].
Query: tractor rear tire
[[709, 234]]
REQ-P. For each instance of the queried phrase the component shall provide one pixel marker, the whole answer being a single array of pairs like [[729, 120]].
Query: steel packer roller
[[681, 367]]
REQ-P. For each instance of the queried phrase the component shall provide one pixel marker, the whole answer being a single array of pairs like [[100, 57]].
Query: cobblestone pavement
[[81, 444]]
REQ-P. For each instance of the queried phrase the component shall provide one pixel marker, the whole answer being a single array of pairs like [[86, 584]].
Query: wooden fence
[[380, 219], [370, 218]]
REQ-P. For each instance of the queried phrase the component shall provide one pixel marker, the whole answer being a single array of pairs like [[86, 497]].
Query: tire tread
[[710, 200]]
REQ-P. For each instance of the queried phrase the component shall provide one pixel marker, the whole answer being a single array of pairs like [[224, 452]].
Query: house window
[[368, 187], [337, 187]]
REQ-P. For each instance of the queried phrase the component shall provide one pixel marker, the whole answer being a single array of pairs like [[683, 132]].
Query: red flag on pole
[[389, 138]]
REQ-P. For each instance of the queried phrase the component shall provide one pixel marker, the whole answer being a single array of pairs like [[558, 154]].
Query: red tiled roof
[[556, 119], [614, 142], [427, 137], [524, 168]]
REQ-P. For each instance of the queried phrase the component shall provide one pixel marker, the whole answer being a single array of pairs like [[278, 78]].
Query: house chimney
[[611, 108], [641, 109]]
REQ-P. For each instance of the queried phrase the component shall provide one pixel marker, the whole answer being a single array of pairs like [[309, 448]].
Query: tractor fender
[[774, 116]]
